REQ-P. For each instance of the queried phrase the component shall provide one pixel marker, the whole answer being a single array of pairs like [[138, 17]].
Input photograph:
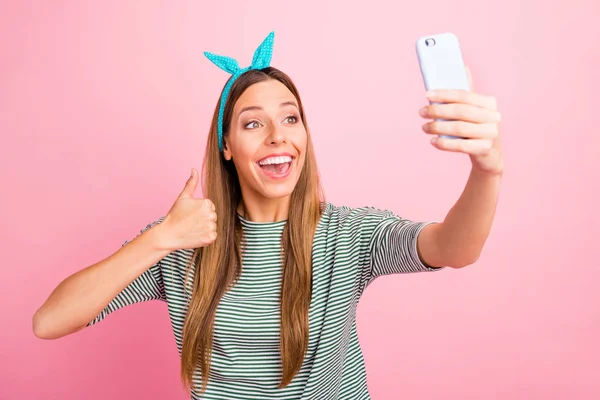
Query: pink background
[[104, 109]]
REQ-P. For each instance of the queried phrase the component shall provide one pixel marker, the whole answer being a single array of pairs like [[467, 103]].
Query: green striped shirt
[[352, 247]]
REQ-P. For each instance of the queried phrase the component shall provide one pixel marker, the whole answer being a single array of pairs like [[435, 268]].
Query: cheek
[[300, 139], [244, 164], [240, 149], [301, 147]]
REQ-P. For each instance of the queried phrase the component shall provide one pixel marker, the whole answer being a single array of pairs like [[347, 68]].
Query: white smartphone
[[442, 65]]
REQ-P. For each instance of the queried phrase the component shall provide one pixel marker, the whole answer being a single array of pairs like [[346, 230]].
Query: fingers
[[206, 220], [213, 230], [475, 147], [460, 112], [463, 97], [212, 218], [212, 215], [462, 129], [209, 204]]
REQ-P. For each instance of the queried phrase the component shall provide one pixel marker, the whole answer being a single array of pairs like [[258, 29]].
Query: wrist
[[159, 239], [495, 173]]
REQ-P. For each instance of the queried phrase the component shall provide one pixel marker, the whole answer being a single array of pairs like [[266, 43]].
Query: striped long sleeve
[[393, 246]]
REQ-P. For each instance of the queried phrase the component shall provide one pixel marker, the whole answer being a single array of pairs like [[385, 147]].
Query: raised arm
[[78, 299], [130, 275], [474, 118]]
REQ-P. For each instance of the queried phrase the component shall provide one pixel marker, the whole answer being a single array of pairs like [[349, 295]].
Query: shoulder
[[352, 214], [354, 218], [350, 231]]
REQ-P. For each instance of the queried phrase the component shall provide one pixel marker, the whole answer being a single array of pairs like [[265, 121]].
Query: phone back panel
[[441, 63]]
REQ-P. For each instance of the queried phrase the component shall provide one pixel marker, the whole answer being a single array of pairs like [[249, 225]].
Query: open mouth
[[276, 167]]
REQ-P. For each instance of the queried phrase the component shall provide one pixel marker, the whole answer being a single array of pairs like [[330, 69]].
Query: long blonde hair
[[218, 266]]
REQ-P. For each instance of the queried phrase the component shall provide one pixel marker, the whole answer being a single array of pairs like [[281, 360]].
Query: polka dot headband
[[261, 59]]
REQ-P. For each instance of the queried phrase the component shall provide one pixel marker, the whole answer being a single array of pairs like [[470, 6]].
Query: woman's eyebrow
[[251, 108], [288, 103]]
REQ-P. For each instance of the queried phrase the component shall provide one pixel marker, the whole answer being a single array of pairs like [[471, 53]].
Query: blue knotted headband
[[261, 59]]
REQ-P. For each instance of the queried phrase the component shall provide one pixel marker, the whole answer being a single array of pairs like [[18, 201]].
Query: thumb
[[190, 185]]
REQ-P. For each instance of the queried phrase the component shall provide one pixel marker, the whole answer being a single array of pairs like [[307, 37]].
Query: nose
[[276, 135]]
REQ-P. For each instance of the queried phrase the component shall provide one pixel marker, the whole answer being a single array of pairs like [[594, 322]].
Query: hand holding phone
[[442, 65]]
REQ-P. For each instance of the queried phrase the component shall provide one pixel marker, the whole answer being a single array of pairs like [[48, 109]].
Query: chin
[[278, 192]]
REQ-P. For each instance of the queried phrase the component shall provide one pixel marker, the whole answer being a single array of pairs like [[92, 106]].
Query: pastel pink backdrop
[[104, 108]]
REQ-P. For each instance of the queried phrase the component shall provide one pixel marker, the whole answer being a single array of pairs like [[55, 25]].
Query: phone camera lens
[[429, 42]]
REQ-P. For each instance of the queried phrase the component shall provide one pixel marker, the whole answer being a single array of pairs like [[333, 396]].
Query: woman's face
[[266, 140]]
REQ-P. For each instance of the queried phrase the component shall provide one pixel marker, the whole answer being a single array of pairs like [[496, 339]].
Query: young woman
[[262, 277]]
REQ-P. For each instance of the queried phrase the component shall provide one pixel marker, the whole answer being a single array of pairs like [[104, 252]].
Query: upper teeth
[[275, 160]]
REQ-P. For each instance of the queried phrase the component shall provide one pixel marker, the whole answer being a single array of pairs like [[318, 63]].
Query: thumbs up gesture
[[191, 222]]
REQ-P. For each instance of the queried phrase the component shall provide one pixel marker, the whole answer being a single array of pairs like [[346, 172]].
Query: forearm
[[462, 235], [79, 298]]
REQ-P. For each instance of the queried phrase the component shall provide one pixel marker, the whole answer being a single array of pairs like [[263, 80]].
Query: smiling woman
[[262, 277], [264, 129]]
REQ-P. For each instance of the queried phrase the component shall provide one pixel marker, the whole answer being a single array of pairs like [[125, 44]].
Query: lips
[[276, 167], [278, 158]]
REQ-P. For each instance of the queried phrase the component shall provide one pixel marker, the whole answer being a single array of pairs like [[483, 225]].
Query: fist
[[190, 223]]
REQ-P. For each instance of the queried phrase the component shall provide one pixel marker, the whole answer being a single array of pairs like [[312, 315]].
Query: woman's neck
[[264, 210]]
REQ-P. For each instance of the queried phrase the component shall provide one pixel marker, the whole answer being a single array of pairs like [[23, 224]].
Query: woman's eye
[[291, 119], [252, 125]]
